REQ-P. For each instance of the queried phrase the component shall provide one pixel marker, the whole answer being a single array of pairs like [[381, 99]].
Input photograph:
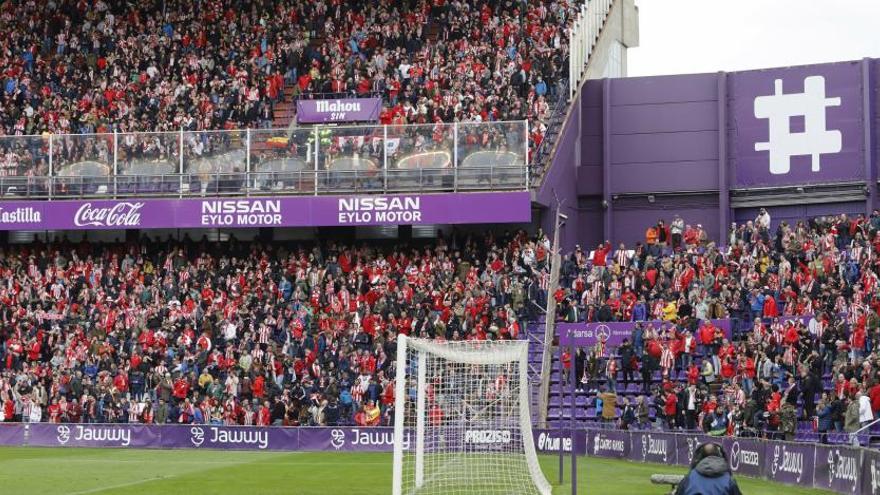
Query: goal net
[[461, 422]]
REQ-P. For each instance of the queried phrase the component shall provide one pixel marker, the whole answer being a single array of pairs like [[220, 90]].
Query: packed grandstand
[[251, 333], [766, 329], [157, 66]]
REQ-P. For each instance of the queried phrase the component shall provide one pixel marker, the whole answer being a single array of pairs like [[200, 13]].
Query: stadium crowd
[[240, 333], [804, 304], [74, 67], [263, 333]]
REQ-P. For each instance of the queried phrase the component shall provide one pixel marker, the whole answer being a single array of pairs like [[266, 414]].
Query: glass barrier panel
[[348, 181], [24, 163], [24, 155], [421, 157], [147, 163], [82, 164], [282, 161], [360, 159], [350, 159], [214, 162], [491, 155], [22, 187]]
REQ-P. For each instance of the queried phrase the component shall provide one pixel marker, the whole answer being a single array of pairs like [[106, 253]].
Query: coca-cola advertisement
[[121, 214]]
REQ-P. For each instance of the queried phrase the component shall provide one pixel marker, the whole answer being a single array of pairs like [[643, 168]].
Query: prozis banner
[[339, 110], [292, 211], [796, 125]]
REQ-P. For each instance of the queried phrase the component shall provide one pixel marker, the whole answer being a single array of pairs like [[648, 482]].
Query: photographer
[[709, 474]]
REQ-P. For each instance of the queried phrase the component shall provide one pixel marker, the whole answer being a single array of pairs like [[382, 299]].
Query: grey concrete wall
[[622, 26]]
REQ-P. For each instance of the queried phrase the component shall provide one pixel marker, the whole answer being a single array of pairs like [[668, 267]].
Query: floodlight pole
[[573, 397], [550, 323]]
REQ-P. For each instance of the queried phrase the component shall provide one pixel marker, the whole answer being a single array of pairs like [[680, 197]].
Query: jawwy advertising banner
[[344, 439], [796, 125], [226, 437], [838, 468], [870, 472], [790, 463], [588, 334], [92, 435], [340, 110], [652, 446], [295, 211], [686, 444]]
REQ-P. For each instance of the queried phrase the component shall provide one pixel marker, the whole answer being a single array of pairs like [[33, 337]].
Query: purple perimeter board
[[295, 211], [587, 334], [840, 469]]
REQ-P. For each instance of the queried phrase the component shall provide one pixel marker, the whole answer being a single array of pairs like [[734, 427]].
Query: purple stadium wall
[[635, 150]]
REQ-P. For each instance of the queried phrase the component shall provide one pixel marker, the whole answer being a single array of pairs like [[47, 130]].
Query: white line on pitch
[[122, 485]]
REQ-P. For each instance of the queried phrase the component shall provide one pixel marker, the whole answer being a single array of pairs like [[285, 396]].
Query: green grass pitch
[[34, 471]]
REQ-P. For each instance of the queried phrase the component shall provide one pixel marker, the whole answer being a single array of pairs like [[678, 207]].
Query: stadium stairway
[[284, 110]]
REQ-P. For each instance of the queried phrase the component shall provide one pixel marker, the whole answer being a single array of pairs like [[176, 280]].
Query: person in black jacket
[[810, 386], [710, 474], [580, 358], [627, 358]]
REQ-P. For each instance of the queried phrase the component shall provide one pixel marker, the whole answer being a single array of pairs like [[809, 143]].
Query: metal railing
[[314, 160], [583, 35], [352, 93]]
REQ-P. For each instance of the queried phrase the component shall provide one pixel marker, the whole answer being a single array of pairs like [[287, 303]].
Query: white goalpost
[[461, 419]]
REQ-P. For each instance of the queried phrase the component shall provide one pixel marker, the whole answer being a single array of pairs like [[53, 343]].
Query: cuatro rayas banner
[[339, 110], [291, 211]]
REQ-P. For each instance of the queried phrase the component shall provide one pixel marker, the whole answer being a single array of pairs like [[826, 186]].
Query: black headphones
[[701, 453]]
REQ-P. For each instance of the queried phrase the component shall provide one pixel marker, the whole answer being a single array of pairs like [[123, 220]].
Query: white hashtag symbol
[[815, 139]]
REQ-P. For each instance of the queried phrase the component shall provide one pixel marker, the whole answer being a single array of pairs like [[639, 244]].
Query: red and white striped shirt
[[263, 334], [667, 359]]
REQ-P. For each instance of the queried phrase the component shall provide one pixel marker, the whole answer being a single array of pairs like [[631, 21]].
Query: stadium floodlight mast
[[550, 319], [461, 419]]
